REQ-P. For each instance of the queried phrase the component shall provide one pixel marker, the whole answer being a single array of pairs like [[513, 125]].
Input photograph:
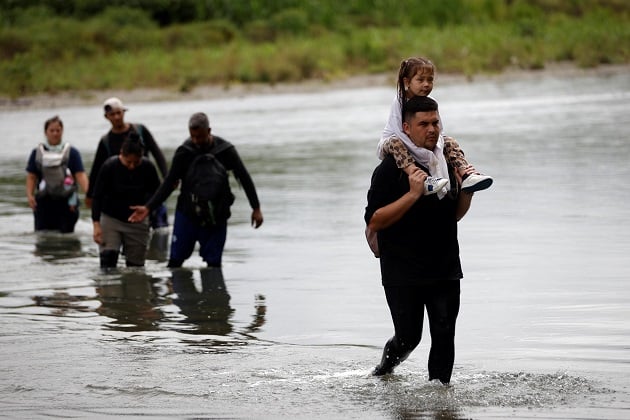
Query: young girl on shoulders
[[415, 78]]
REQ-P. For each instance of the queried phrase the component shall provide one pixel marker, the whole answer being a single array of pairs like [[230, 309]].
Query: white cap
[[112, 104]]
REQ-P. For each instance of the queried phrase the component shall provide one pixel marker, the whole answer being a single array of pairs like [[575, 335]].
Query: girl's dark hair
[[52, 120], [132, 145], [409, 68]]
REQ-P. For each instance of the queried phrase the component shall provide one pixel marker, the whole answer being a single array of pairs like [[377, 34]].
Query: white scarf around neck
[[434, 160]]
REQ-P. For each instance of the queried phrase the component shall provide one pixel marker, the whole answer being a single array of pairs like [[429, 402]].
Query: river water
[[543, 329]]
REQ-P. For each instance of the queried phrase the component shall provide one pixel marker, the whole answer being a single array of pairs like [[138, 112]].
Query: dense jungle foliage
[[49, 46]]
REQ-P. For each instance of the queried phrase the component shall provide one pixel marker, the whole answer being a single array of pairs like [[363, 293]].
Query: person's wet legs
[[108, 258], [183, 238], [212, 242], [392, 357], [54, 214], [135, 238], [111, 242], [407, 310], [442, 310], [69, 219]]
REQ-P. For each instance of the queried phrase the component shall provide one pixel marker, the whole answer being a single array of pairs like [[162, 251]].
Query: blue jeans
[[159, 217], [186, 232]]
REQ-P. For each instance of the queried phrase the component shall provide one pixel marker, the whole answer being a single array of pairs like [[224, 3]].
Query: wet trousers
[[187, 232], [131, 237], [55, 214], [406, 305]]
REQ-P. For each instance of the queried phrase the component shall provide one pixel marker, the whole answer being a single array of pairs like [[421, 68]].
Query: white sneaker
[[433, 185], [476, 182]]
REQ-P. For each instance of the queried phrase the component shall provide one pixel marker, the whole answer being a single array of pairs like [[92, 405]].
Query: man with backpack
[[203, 206]]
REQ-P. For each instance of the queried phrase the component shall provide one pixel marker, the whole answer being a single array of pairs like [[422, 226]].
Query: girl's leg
[[395, 147], [454, 154], [471, 182]]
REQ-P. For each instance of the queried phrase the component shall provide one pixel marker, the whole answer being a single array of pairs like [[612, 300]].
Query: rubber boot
[[109, 259]]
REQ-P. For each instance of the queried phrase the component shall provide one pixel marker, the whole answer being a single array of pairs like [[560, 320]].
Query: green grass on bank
[[124, 48]]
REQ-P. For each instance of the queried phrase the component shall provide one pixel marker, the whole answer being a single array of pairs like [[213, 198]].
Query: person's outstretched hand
[[139, 214]]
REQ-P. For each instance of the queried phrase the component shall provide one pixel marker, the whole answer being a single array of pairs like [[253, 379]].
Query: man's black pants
[[406, 305]]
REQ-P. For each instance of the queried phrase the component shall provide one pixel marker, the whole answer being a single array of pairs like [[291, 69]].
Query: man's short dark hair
[[199, 120], [418, 104]]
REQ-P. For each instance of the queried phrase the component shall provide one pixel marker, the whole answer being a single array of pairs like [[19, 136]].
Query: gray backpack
[[56, 178]]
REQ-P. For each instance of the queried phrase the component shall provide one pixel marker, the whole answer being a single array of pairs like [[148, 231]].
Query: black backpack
[[207, 187]]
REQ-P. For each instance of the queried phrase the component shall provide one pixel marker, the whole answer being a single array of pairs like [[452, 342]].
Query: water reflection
[[207, 309], [137, 301], [437, 415], [132, 299], [206, 304], [61, 303], [412, 397], [53, 246]]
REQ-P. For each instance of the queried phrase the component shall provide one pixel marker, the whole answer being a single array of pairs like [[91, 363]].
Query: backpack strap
[[138, 129], [65, 154], [39, 155], [188, 145], [220, 145], [105, 141], [135, 127]]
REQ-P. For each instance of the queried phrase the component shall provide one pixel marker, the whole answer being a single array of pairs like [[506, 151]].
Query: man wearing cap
[[112, 141], [110, 145]]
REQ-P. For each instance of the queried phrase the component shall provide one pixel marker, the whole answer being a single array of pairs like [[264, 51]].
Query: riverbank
[[95, 97]]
